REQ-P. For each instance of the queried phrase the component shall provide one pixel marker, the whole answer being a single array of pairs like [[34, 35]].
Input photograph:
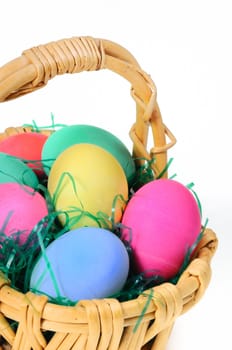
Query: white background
[[186, 48]]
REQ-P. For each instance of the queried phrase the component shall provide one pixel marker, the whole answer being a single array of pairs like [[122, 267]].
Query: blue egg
[[85, 263]]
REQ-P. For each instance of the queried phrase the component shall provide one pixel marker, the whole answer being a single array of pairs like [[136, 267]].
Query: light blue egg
[[85, 263]]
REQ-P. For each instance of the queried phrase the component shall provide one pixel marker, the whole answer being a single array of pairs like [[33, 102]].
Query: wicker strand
[[161, 339], [30, 323], [168, 303], [5, 330], [94, 326], [104, 323], [64, 56], [114, 316], [62, 340], [201, 272]]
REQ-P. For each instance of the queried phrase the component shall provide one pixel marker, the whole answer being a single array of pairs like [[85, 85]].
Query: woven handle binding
[[38, 65]]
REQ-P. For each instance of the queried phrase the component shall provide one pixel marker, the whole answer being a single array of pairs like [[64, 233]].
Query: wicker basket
[[105, 323]]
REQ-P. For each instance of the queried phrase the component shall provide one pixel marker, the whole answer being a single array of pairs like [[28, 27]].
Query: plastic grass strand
[[48, 264], [53, 126], [119, 228], [9, 261], [144, 173], [45, 165], [117, 198], [136, 285], [172, 176], [188, 254], [60, 183], [81, 213], [5, 223], [12, 259], [16, 179], [42, 188], [101, 219], [165, 169], [58, 300], [29, 190], [35, 163], [27, 273], [33, 245], [140, 318], [190, 187]]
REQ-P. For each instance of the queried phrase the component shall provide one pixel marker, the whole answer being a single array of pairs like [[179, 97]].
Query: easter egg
[[162, 220], [21, 208], [75, 134], [14, 170], [85, 263], [89, 185], [28, 147]]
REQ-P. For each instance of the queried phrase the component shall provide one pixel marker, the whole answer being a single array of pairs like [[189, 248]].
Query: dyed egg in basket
[[162, 222], [27, 146], [89, 185], [84, 263], [21, 209]]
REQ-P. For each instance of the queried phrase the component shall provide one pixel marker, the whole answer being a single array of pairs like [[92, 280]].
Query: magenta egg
[[162, 221], [21, 208]]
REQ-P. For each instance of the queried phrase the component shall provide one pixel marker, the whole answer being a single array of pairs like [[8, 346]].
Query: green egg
[[80, 133], [13, 169]]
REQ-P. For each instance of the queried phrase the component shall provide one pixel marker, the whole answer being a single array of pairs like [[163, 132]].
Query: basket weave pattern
[[105, 323]]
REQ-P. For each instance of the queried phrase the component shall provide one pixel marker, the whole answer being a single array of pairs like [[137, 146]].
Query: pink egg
[[164, 221], [21, 208]]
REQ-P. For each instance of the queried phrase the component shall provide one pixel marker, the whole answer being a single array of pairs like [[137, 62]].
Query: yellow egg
[[89, 186]]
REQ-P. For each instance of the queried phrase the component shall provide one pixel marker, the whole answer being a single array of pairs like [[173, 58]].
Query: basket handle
[[36, 66]]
